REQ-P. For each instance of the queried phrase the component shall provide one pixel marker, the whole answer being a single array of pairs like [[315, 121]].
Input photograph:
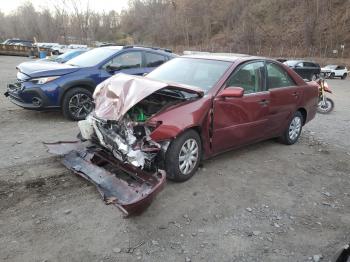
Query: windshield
[[68, 55], [201, 73], [331, 66], [92, 57]]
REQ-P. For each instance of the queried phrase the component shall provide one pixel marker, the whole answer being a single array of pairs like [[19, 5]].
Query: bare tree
[[273, 27]]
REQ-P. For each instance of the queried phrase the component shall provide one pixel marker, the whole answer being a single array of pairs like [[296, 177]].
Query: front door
[[129, 62], [238, 121]]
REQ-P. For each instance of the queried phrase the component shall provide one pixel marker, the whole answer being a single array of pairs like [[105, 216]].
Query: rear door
[[339, 71], [238, 121], [285, 96], [153, 60]]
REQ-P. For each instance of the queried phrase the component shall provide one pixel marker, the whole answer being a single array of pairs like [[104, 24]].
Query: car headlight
[[43, 80]]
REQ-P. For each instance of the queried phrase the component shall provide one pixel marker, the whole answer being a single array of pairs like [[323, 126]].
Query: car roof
[[120, 47], [228, 57], [298, 61], [113, 47]]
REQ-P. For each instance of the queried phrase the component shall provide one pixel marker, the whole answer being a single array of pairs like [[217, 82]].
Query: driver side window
[[127, 60], [250, 77]]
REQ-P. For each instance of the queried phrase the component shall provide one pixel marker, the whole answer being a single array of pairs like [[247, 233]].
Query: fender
[[85, 83], [176, 121]]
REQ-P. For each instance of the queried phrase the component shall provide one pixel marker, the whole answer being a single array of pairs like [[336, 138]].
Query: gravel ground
[[265, 202]]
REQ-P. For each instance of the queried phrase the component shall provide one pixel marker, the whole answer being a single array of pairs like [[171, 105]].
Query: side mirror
[[231, 92], [113, 68]]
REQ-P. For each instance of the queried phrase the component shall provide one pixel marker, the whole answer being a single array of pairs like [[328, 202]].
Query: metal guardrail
[[17, 50]]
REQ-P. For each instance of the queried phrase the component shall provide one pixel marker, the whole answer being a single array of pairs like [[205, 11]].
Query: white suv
[[331, 71]]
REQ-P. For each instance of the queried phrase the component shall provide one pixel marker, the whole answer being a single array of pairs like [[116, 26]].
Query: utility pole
[[342, 49]]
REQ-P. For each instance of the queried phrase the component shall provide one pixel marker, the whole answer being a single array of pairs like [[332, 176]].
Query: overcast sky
[[7, 6]]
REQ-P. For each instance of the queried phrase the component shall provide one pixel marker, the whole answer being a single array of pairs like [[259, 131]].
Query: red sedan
[[189, 109]]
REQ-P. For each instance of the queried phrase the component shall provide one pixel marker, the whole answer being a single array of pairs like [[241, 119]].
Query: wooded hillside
[[276, 27], [314, 28]]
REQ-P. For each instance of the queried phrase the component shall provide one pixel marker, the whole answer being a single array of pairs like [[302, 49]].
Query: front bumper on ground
[[129, 188]]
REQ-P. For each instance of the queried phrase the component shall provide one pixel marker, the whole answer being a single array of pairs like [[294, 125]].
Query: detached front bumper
[[127, 187]]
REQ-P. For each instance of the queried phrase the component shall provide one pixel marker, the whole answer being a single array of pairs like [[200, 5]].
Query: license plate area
[[15, 87], [129, 188]]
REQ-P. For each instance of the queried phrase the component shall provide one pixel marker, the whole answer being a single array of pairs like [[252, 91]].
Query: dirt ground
[[265, 202]]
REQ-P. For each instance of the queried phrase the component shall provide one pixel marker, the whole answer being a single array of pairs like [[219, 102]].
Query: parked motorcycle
[[325, 104]]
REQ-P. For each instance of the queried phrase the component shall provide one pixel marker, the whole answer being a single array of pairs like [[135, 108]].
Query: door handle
[[264, 102], [296, 94]]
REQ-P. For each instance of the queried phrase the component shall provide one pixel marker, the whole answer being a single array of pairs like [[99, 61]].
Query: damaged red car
[[144, 129]]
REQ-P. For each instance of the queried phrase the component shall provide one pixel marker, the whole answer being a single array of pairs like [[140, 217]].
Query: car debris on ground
[[116, 152]]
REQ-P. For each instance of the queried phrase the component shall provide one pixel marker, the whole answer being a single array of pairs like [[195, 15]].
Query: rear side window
[[154, 60], [309, 64], [250, 77], [277, 77]]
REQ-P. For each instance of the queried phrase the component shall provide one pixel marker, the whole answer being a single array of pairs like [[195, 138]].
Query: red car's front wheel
[[183, 156]]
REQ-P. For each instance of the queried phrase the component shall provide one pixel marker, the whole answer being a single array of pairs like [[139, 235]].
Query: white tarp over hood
[[116, 95]]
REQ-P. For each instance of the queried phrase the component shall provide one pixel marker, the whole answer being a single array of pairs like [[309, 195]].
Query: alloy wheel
[[295, 128], [80, 105], [188, 156], [324, 106]]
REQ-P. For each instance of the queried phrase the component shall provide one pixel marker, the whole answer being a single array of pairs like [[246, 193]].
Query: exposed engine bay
[[155, 103], [116, 152], [129, 138]]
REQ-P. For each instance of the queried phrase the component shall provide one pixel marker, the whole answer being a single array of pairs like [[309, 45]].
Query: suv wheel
[[77, 104], [344, 76], [292, 133], [183, 156]]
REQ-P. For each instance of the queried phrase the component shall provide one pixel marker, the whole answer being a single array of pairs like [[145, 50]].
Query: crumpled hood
[[43, 69], [116, 95]]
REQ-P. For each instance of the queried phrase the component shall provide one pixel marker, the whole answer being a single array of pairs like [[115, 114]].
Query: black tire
[[344, 76], [288, 137], [327, 108], [332, 76], [70, 111], [172, 157]]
